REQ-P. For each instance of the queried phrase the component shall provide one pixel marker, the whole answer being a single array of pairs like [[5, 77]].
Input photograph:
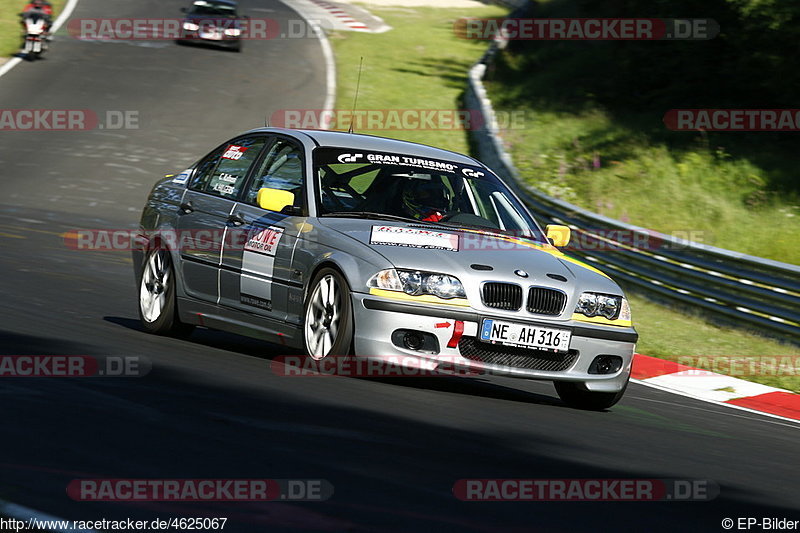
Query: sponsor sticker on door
[[264, 241]]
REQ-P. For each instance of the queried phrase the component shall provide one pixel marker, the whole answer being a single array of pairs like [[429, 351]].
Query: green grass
[[10, 29], [594, 132], [674, 336], [587, 158], [419, 64]]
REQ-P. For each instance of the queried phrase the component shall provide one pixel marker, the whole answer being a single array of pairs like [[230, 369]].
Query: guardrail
[[751, 292]]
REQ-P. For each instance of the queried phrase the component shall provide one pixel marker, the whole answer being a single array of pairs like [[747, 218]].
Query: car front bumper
[[378, 318], [190, 36]]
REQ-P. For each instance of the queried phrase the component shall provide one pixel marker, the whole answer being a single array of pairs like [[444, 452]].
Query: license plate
[[211, 35], [525, 335]]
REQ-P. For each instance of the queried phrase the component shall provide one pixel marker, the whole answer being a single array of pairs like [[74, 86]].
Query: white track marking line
[[327, 53], [9, 65], [62, 18], [705, 410]]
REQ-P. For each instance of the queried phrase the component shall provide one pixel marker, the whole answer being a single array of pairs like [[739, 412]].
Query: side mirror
[[274, 199], [184, 10], [558, 235]]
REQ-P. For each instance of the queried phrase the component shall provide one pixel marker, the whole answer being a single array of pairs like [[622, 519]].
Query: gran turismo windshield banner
[[337, 156]]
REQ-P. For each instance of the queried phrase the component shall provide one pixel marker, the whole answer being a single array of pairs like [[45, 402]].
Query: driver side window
[[223, 172], [281, 168]]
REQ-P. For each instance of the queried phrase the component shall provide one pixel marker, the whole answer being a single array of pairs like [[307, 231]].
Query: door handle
[[186, 207], [236, 219]]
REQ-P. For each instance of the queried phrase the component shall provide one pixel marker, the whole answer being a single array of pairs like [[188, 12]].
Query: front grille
[[530, 359], [506, 296], [544, 301]]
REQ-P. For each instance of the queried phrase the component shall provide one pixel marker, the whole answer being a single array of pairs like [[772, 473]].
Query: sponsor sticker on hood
[[414, 238]]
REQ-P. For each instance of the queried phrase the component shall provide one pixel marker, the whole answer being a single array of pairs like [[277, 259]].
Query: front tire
[[328, 325], [576, 395], [158, 310]]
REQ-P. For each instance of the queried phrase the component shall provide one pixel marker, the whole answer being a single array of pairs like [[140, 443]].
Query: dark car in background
[[215, 22]]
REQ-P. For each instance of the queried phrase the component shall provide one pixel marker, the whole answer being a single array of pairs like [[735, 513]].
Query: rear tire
[[328, 324], [576, 395], [158, 310]]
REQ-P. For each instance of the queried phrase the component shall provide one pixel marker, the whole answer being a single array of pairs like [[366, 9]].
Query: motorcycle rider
[[40, 7]]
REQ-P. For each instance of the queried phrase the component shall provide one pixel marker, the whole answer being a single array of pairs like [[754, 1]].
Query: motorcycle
[[35, 35]]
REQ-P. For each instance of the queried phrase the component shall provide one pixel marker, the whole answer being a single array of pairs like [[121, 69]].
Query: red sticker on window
[[234, 152]]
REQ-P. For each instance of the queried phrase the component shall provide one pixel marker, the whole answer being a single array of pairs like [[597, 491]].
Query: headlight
[[416, 283], [190, 26], [610, 307], [233, 32], [444, 286]]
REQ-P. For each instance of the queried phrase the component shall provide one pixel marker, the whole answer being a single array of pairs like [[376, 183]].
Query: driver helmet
[[423, 198]]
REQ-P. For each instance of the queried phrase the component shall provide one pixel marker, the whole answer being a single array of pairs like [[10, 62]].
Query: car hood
[[228, 21], [468, 254]]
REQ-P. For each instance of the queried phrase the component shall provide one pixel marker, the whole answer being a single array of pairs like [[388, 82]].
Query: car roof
[[230, 3], [359, 141]]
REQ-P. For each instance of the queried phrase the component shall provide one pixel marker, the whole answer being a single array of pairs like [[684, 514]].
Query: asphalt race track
[[212, 407]]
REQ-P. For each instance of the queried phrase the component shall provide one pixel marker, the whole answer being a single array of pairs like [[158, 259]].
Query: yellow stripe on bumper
[[602, 320], [423, 299]]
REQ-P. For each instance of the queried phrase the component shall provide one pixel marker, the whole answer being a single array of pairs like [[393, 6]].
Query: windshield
[[378, 184], [205, 9]]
